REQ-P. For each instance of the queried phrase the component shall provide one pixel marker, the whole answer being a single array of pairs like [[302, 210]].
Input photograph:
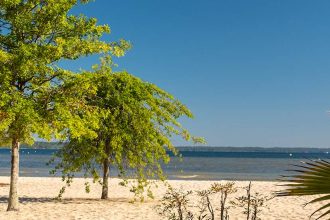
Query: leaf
[[313, 179]]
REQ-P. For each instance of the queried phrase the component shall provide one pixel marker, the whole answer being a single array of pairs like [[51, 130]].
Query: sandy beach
[[37, 202]]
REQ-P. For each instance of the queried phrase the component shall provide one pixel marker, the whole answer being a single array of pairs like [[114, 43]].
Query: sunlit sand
[[37, 202]]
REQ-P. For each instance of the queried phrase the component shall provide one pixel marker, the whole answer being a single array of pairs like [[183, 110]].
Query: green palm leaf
[[312, 178]]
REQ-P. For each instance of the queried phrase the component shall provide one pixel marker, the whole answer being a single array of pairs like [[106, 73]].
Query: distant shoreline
[[58, 145], [255, 149]]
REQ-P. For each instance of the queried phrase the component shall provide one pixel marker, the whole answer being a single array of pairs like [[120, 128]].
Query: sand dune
[[37, 201]]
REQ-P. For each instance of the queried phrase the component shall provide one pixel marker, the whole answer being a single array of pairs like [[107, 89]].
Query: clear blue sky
[[255, 73]]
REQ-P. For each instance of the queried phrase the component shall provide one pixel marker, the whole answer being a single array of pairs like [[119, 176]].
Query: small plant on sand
[[206, 210], [174, 204], [252, 203], [224, 190]]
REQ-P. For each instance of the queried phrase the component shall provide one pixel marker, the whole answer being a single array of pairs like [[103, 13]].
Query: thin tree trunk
[[13, 194], [106, 172], [105, 185]]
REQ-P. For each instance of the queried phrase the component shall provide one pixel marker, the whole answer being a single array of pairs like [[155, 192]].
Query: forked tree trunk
[[13, 194], [106, 172]]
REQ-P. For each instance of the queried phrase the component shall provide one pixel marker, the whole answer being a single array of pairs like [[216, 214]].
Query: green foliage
[[252, 203], [312, 178], [37, 96], [136, 123]]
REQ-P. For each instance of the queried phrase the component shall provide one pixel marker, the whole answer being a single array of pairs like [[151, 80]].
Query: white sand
[[37, 193]]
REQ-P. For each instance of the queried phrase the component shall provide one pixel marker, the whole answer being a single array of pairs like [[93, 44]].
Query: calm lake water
[[199, 165]]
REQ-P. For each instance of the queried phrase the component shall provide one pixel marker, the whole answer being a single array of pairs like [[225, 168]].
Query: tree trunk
[[106, 171], [13, 194], [105, 185]]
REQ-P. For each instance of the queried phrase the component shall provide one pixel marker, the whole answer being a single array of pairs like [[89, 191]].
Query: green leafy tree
[[137, 121], [37, 96]]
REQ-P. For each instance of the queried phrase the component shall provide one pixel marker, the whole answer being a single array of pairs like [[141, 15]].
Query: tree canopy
[[137, 122], [35, 36]]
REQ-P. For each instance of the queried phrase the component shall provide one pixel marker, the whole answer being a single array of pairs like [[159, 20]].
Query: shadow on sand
[[25, 200]]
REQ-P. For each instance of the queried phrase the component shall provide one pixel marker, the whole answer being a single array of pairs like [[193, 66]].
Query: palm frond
[[311, 178]]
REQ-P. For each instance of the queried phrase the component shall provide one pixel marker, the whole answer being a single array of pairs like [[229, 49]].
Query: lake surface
[[198, 165]]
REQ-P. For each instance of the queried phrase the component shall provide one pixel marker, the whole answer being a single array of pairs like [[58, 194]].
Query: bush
[[176, 204]]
